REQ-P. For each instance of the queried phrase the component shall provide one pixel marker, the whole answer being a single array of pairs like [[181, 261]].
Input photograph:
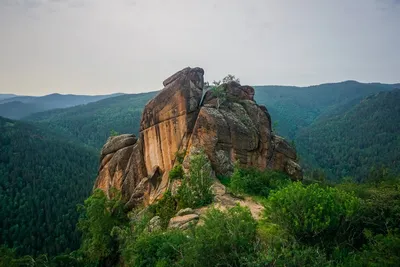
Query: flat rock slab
[[183, 222]]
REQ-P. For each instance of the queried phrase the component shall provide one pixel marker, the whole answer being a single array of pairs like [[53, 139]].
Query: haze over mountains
[[16, 107]]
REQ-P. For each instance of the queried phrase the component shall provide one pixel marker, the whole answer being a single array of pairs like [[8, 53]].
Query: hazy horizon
[[96, 47]]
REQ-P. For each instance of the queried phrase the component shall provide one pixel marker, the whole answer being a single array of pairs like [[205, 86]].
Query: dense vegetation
[[304, 224], [17, 107], [91, 123], [352, 142], [42, 179]]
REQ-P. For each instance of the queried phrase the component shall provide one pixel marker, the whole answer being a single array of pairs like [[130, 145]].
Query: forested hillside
[[92, 123], [293, 108], [20, 106], [42, 179], [352, 142]]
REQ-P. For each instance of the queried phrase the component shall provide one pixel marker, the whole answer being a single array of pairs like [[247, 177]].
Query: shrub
[[225, 180], [195, 190], [180, 156], [165, 208], [256, 182], [176, 172], [298, 255], [156, 249], [381, 207], [113, 133], [314, 215], [381, 250], [226, 239]]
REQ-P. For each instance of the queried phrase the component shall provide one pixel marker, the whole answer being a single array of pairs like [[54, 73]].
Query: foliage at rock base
[[305, 224]]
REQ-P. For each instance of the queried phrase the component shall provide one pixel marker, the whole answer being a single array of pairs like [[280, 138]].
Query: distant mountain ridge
[[5, 96], [20, 106]]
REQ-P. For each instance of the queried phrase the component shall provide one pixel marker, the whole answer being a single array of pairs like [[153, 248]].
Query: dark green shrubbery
[[314, 215], [381, 204], [256, 182], [166, 208], [176, 172], [225, 239], [381, 250], [180, 156], [299, 255], [157, 249]]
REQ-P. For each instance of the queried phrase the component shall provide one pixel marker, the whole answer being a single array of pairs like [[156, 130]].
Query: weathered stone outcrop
[[114, 161], [230, 129]]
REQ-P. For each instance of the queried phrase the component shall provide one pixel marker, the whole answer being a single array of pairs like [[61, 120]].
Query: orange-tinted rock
[[112, 170], [177, 119], [168, 120]]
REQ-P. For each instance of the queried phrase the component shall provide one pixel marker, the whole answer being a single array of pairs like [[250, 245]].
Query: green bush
[[226, 239], [180, 156], [225, 180], [297, 255], [195, 190], [253, 181], [165, 208], [381, 250], [156, 249], [314, 215], [381, 207], [176, 172]]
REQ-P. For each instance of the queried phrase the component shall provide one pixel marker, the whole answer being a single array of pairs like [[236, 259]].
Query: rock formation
[[180, 119]]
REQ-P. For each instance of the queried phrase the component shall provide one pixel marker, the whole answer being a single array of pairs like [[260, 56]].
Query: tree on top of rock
[[230, 78], [216, 83]]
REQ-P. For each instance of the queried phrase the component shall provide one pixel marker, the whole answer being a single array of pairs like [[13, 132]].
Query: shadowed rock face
[[237, 129]]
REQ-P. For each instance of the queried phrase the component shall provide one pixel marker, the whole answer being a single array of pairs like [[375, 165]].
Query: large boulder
[[115, 143], [179, 119], [114, 162]]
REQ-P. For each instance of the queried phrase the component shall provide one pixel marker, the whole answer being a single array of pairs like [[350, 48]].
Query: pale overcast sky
[[104, 46]]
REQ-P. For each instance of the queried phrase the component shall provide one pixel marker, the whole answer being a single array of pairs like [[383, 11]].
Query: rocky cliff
[[231, 128]]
